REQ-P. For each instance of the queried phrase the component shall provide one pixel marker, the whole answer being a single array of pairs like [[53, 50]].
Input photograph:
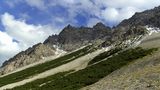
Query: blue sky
[[24, 23]]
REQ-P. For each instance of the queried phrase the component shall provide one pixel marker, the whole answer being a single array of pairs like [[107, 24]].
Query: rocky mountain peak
[[69, 27], [149, 17], [71, 37], [100, 25], [136, 24]]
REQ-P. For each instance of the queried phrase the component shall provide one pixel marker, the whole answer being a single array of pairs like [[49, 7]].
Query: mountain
[[71, 38], [148, 17], [136, 25], [125, 57], [142, 74], [29, 56]]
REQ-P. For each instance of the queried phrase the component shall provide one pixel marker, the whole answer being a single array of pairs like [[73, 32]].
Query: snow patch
[[58, 50], [152, 30], [107, 48]]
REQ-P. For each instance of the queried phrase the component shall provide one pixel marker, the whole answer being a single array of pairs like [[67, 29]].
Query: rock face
[[148, 17], [31, 55], [135, 25], [71, 38]]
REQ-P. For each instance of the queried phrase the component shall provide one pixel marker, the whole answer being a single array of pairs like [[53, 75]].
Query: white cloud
[[23, 32], [128, 3], [114, 15], [40, 4], [113, 11], [93, 21], [108, 11], [8, 48], [120, 9], [24, 16], [12, 4], [26, 35], [110, 14]]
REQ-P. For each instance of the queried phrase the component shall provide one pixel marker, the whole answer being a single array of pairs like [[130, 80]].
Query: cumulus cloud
[[114, 16], [93, 21], [116, 10], [7, 47], [12, 4], [110, 14], [40, 4], [109, 11], [26, 35]]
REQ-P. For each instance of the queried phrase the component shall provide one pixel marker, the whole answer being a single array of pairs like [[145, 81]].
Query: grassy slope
[[104, 55], [142, 74], [18, 76], [89, 75]]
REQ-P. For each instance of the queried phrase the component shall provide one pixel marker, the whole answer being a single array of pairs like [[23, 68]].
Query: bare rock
[[31, 55]]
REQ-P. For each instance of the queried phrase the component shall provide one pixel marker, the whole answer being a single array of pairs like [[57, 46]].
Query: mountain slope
[[148, 17], [125, 58], [69, 39], [87, 76], [31, 55], [136, 25], [143, 74]]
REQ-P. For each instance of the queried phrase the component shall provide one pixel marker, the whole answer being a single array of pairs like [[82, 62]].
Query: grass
[[88, 75], [26, 73], [104, 55]]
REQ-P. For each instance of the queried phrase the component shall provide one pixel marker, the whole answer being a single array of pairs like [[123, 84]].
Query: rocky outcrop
[[140, 19], [135, 25], [31, 55], [148, 17], [71, 38]]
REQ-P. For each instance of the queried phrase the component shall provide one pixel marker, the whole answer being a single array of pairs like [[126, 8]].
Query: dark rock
[[71, 38]]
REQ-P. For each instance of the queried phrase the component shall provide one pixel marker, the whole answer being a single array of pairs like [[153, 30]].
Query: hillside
[[31, 55], [143, 74]]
